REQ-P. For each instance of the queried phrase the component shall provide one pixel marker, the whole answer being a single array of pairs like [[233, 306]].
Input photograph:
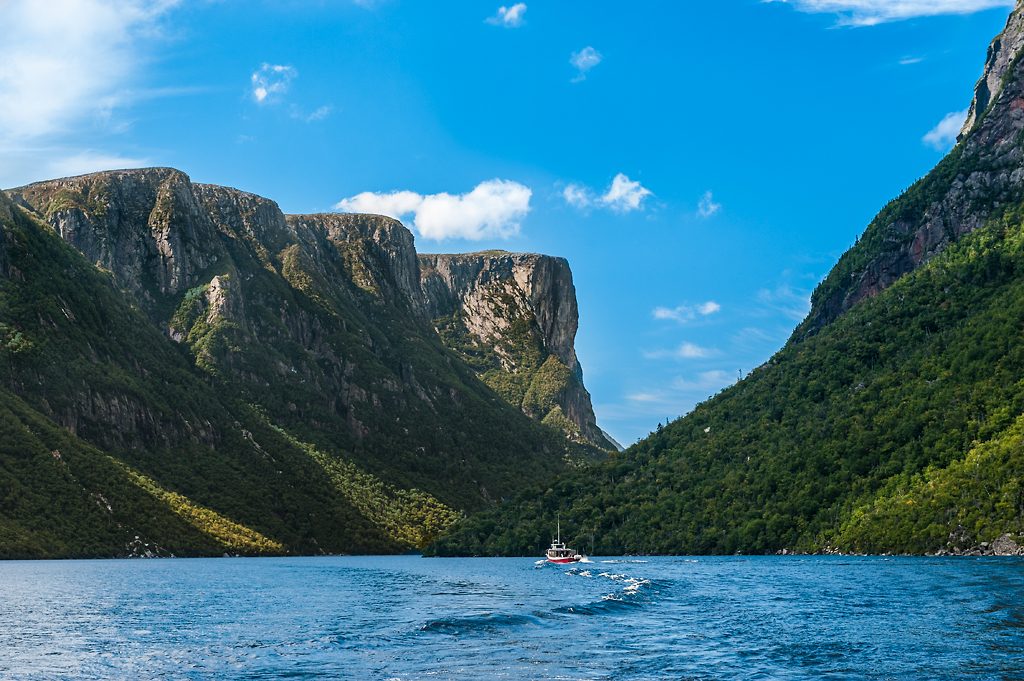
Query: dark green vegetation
[[303, 405], [890, 422], [798, 454]]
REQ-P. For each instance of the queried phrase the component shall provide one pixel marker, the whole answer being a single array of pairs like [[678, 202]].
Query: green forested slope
[[811, 449], [299, 409], [889, 422]]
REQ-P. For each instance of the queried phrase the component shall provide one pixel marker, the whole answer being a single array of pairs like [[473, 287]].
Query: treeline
[[893, 429]]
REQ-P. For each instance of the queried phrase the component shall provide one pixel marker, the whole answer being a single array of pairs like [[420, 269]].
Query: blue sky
[[701, 165]]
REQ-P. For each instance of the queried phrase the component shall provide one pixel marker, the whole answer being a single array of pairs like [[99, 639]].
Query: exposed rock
[[984, 172], [333, 306], [491, 296], [1005, 545], [145, 226], [393, 268], [1001, 53]]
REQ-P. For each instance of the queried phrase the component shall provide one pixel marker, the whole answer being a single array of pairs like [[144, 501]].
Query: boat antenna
[[559, 516]]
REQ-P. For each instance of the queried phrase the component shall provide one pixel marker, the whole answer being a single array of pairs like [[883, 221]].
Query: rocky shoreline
[[1006, 545]]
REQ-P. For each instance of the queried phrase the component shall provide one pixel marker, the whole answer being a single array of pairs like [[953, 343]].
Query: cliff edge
[[513, 318]]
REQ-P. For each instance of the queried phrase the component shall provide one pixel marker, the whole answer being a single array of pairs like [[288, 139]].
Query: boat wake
[[485, 623], [625, 593]]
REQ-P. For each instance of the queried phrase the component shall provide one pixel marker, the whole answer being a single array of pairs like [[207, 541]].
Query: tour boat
[[558, 553]]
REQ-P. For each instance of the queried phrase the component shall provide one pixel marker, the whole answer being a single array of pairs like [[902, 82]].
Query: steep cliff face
[[975, 184], [145, 226], [513, 317], [207, 338], [1003, 50]]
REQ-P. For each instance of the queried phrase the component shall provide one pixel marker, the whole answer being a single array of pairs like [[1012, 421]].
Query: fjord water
[[405, 617]]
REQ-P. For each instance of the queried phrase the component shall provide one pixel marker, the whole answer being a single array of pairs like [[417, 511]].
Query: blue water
[[478, 618]]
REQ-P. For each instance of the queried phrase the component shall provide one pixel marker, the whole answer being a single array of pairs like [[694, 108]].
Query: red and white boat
[[558, 553]]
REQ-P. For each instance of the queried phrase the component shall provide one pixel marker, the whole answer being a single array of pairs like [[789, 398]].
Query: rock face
[[146, 226], [324, 323], [1001, 52], [513, 316], [983, 173]]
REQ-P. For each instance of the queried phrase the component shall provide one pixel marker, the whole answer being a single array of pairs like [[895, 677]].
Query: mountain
[[890, 422], [513, 318], [187, 368]]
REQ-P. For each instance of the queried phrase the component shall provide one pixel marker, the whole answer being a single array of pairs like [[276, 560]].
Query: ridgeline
[[185, 370]]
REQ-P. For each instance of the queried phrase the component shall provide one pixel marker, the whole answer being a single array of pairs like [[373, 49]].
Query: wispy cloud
[[271, 81], [317, 115], [706, 380], [794, 303], [686, 313], [911, 60], [578, 196], [583, 61], [752, 340], [509, 17], [623, 195], [65, 61], [494, 208], [684, 351], [707, 206], [67, 66], [943, 136], [871, 12], [92, 161]]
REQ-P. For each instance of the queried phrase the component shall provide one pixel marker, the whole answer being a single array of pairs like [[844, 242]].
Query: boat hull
[[573, 559]]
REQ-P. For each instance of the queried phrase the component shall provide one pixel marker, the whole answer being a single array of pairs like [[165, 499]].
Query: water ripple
[[409, 618]]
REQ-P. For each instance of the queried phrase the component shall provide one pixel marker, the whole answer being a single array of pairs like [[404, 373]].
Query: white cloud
[[707, 207], [684, 351], [623, 195], [68, 60], [709, 307], [943, 136], [584, 60], [509, 17], [270, 81], [870, 12], [686, 313], [911, 60], [578, 196], [494, 208], [760, 342], [648, 397]]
